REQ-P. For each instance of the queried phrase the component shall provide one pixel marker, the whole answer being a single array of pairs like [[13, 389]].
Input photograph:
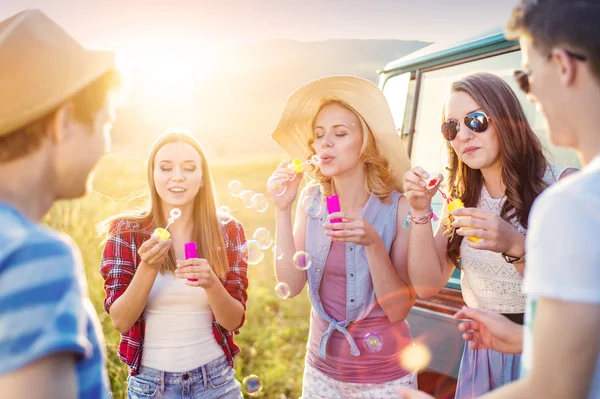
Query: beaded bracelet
[[420, 220]]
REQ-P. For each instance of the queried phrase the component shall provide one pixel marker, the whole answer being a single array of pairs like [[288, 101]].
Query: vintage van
[[415, 87]]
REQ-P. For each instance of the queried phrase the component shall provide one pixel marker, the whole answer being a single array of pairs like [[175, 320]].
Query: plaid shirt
[[120, 260]]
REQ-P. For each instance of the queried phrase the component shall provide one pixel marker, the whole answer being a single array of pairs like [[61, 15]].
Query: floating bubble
[[302, 260], [282, 290], [224, 214], [373, 342], [262, 207], [235, 188], [278, 252], [252, 385], [260, 202], [312, 206], [252, 252], [263, 236], [171, 220], [315, 160], [276, 186], [175, 213], [415, 357], [247, 198]]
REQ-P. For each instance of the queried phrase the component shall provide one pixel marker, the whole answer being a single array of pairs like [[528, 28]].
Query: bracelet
[[513, 259], [420, 220]]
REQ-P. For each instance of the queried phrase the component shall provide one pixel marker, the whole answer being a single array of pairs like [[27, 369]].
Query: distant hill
[[239, 103]]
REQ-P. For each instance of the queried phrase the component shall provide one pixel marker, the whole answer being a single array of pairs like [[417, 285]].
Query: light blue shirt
[[44, 306], [360, 292]]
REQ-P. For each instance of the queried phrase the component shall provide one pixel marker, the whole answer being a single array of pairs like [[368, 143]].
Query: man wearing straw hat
[[54, 126]]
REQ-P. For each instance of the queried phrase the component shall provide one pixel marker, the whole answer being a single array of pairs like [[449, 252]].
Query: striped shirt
[[44, 306]]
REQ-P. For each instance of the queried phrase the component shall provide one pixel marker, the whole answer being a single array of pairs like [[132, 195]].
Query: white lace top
[[487, 281]]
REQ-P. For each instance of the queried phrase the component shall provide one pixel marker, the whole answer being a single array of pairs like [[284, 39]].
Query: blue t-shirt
[[44, 305]]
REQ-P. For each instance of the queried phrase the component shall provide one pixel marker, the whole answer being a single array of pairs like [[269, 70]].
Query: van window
[[397, 91]]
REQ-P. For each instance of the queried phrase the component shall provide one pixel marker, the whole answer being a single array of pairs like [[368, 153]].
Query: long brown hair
[[521, 154], [379, 176], [207, 231]]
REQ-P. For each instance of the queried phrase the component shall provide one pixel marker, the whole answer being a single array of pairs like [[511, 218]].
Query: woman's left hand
[[498, 235], [198, 270], [353, 228]]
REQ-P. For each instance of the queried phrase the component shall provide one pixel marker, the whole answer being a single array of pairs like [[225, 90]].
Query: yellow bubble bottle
[[458, 204], [161, 234], [296, 165]]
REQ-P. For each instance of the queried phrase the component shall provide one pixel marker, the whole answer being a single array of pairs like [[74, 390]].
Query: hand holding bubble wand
[[452, 204], [162, 234], [277, 185], [433, 182]]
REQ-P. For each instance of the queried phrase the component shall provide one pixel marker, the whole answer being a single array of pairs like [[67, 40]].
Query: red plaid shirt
[[120, 260]]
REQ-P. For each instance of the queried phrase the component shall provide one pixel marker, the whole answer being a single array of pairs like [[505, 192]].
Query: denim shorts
[[214, 380]]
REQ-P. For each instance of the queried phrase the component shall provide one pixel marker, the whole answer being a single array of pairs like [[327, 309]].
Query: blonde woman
[[357, 283], [177, 317]]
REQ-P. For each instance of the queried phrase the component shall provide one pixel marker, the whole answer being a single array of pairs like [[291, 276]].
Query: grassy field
[[273, 339]]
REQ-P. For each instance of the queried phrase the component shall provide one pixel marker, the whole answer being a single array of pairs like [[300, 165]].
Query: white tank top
[[179, 320], [487, 280]]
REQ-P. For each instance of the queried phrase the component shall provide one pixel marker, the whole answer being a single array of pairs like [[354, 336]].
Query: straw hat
[[41, 66], [294, 130]]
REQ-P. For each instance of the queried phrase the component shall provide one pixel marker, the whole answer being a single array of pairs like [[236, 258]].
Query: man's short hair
[[573, 24], [86, 104]]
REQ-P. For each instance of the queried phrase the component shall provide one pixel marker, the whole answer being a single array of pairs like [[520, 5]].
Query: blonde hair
[[379, 181], [207, 231]]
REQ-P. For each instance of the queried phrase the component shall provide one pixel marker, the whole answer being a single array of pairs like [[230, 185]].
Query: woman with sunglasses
[[497, 168]]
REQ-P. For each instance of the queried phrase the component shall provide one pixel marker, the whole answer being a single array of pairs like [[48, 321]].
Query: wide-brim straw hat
[[294, 129], [41, 66]]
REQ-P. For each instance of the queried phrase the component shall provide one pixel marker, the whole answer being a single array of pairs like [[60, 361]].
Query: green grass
[[273, 340]]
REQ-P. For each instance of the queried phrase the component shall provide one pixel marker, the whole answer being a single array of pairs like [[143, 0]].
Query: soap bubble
[[302, 260], [252, 385], [260, 202], [373, 342], [247, 198], [282, 290], [252, 252], [224, 214], [263, 236], [315, 160], [276, 186], [171, 220], [235, 188], [312, 206], [175, 213]]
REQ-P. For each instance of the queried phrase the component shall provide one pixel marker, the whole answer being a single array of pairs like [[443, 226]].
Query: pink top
[[371, 366]]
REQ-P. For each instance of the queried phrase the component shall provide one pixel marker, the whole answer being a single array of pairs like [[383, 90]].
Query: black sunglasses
[[476, 122], [522, 77]]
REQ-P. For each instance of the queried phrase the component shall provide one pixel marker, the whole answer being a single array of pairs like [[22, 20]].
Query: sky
[[141, 25], [166, 49]]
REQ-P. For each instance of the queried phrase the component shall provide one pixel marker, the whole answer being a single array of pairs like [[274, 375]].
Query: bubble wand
[[452, 204], [277, 186], [162, 234]]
